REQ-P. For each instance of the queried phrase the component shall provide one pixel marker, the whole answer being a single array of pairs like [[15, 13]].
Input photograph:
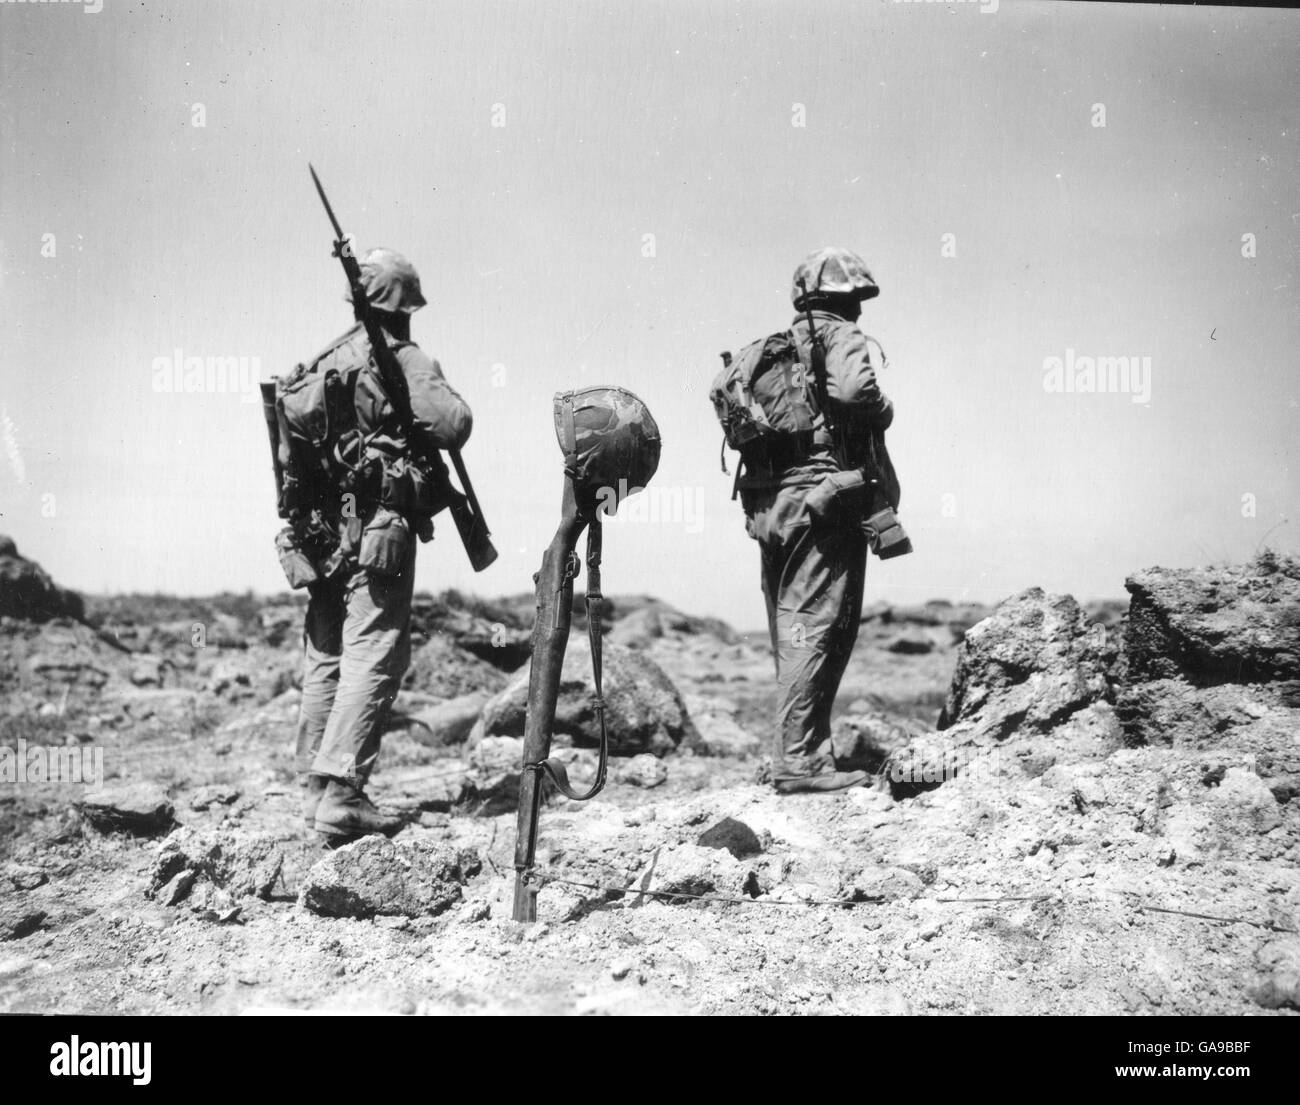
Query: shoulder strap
[[569, 438]]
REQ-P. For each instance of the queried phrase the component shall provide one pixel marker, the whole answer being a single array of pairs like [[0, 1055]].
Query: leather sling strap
[[595, 604]]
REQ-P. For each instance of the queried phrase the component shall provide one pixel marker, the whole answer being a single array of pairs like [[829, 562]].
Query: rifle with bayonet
[[463, 504]]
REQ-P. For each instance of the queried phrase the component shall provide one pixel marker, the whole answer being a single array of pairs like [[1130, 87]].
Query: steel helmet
[[391, 282], [833, 271], [607, 435]]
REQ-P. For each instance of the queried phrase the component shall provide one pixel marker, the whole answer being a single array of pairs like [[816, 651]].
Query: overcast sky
[[615, 192]]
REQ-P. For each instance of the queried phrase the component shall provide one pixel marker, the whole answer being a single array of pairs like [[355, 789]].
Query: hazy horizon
[[598, 192]]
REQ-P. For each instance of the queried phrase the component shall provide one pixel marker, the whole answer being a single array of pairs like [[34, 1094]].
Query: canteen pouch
[[385, 543], [298, 567]]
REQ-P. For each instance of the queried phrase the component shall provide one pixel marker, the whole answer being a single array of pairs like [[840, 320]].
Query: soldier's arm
[[851, 377], [442, 418]]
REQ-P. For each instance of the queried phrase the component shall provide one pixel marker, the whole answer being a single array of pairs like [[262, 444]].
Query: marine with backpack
[[357, 433], [804, 409]]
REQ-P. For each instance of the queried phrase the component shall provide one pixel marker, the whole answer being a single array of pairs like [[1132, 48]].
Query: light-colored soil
[[1084, 837]]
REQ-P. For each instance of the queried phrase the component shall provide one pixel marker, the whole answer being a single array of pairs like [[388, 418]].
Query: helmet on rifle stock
[[609, 439], [391, 282], [832, 271]]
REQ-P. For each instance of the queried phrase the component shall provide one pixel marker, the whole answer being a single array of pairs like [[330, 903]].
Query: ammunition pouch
[[343, 556], [385, 543], [299, 568]]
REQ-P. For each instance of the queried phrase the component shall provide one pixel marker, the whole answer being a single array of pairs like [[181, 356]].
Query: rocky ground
[[1059, 791]]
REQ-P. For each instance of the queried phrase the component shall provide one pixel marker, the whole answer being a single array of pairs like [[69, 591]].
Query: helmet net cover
[[833, 271], [608, 437], [391, 282]]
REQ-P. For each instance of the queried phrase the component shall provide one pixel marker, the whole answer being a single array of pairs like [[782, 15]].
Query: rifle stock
[[550, 639]]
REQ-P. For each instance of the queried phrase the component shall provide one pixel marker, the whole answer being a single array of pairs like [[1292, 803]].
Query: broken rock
[[447, 722], [1030, 665], [213, 794], [439, 667], [380, 877], [692, 869], [911, 644], [27, 591], [138, 808], [732, 836], [886, 884], [1244, 803], [18, 919], [241, 864], [1279, 984], [863, 741], [720, 734], [1210, 661], [1234, 624], [643, 770], [643, 710]]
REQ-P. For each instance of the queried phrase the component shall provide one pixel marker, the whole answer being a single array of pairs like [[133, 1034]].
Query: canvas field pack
[[763, 396]]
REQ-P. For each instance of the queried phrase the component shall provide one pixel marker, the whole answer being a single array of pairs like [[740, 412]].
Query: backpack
[[336, 420], [764, 399]]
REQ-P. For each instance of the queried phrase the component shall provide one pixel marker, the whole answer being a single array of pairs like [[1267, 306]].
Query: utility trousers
[[357, 642], [813, 581]]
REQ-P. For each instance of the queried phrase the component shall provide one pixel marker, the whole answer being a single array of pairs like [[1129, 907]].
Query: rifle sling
[[594, 602]]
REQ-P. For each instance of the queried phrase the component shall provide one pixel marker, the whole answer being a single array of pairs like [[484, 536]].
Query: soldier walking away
[[365, 477], [806, 412]]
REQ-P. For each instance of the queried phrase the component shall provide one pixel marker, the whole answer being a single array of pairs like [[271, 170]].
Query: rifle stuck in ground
[[550, 639], [609, 439]]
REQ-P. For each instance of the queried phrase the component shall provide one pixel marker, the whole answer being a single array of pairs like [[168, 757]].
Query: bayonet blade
[[320, 191]]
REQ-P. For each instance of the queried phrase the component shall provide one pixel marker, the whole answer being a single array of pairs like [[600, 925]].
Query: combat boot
[[345, 813], [823, 782], [314, 787]]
